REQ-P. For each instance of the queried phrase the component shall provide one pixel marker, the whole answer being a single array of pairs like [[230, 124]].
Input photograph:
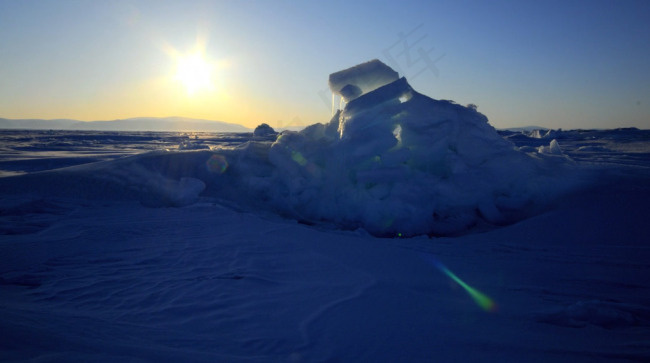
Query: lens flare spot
[[479, 298], [298, 158], [482, 300], [217, 164]]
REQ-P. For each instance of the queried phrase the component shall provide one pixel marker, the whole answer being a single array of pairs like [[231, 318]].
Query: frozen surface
[[228, 247], [25, 151], [625, 146]]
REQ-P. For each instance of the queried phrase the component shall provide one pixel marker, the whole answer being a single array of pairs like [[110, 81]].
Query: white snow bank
[[157, 179]]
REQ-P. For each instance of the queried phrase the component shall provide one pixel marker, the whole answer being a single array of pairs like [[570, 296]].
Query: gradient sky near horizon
[[559, 64]]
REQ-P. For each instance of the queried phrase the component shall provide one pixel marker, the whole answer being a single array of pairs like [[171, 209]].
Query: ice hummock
[[396, 162], [393, 162], [264, 130]]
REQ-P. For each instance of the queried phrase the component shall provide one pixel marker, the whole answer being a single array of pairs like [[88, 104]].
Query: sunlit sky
[[560, 64]]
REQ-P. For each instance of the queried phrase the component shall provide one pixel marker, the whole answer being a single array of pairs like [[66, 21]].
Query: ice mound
[[397, 163], [553, 148], [263, 130], [392, 162]]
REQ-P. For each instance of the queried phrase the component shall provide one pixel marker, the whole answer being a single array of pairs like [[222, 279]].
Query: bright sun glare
[[195, 73]]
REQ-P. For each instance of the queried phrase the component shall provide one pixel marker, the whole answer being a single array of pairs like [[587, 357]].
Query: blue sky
[[560, 64]]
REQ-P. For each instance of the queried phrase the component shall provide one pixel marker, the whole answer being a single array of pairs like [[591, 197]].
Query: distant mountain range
[[178, 124], [130, 124]]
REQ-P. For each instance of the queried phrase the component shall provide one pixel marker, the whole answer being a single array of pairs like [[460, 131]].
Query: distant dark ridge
[[131, 124]]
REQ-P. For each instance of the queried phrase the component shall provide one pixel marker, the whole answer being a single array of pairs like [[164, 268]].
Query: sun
[[195, 73]]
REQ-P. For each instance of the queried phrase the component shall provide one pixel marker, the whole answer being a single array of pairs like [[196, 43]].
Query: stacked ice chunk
[[361, 79]]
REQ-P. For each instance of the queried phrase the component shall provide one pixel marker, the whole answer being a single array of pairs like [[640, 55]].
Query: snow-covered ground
[[101, 280], [525, 247]]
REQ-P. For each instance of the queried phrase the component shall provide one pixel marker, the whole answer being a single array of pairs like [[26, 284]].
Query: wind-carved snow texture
[[393, 162]]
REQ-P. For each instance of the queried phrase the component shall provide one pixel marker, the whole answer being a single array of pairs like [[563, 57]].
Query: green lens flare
[[480, 298], [298, 158], [217, 164]]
